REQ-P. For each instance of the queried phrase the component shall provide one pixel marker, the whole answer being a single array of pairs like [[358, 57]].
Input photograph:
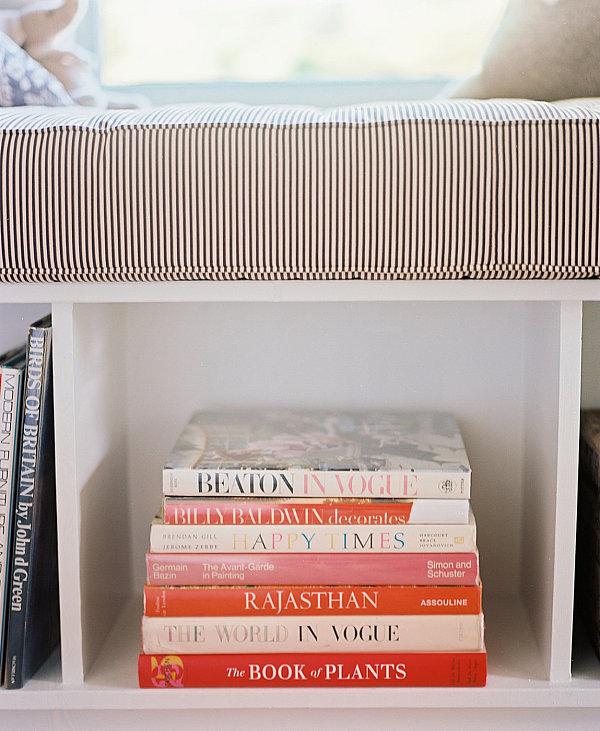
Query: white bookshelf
[[133, 360]]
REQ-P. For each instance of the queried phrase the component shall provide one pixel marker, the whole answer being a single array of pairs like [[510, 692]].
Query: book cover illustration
[[293, 453], [33, 620]]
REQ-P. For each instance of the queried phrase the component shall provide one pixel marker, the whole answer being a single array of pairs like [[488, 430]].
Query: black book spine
[[36, 410], [11, 389]]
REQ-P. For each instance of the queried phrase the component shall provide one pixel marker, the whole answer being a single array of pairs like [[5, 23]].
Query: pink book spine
[[239, 569]]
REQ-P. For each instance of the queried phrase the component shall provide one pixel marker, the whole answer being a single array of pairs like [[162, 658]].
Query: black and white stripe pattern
[[503, 189]]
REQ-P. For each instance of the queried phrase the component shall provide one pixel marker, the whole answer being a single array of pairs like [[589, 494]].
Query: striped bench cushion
[[486, 189]]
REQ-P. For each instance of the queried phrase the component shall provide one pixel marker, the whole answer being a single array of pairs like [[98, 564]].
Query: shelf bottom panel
[[515, 679]]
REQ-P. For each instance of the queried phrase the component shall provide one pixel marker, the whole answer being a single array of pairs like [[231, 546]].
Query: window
[[193, 47]]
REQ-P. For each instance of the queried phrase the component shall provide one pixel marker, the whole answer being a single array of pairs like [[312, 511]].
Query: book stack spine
[[312, 591]]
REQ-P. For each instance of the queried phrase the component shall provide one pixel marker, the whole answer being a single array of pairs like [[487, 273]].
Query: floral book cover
[[344, 454]]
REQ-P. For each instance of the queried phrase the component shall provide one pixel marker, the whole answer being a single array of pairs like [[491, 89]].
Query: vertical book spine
[[11, 380], [33, 402]]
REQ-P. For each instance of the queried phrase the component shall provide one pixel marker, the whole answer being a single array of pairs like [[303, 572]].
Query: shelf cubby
[[133, 360]]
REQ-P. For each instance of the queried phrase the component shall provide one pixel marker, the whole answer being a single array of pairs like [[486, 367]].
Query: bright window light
[[191, 41]]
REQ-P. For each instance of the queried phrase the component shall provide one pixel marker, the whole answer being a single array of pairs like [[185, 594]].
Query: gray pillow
[[24, 81], [542, 49]]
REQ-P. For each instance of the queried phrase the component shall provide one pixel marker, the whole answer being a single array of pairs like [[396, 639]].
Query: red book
[[207, 601], [317, 511], [417, 669], [242, 569]]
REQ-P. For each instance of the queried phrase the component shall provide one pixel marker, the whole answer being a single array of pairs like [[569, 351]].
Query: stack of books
[[314, 549], [29, 602]]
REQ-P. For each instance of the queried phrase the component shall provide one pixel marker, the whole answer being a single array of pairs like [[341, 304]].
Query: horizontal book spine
[[240, 569], [315, 511], [339, 633], [207, 601], [420, 669], [311, 539], [317, 483]]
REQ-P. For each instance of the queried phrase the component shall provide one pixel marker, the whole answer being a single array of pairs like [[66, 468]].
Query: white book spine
[[329, 511], [312, 539], [368, 633], [317, 483]]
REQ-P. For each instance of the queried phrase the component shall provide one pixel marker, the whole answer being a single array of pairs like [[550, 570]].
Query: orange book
[[186, 601]]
